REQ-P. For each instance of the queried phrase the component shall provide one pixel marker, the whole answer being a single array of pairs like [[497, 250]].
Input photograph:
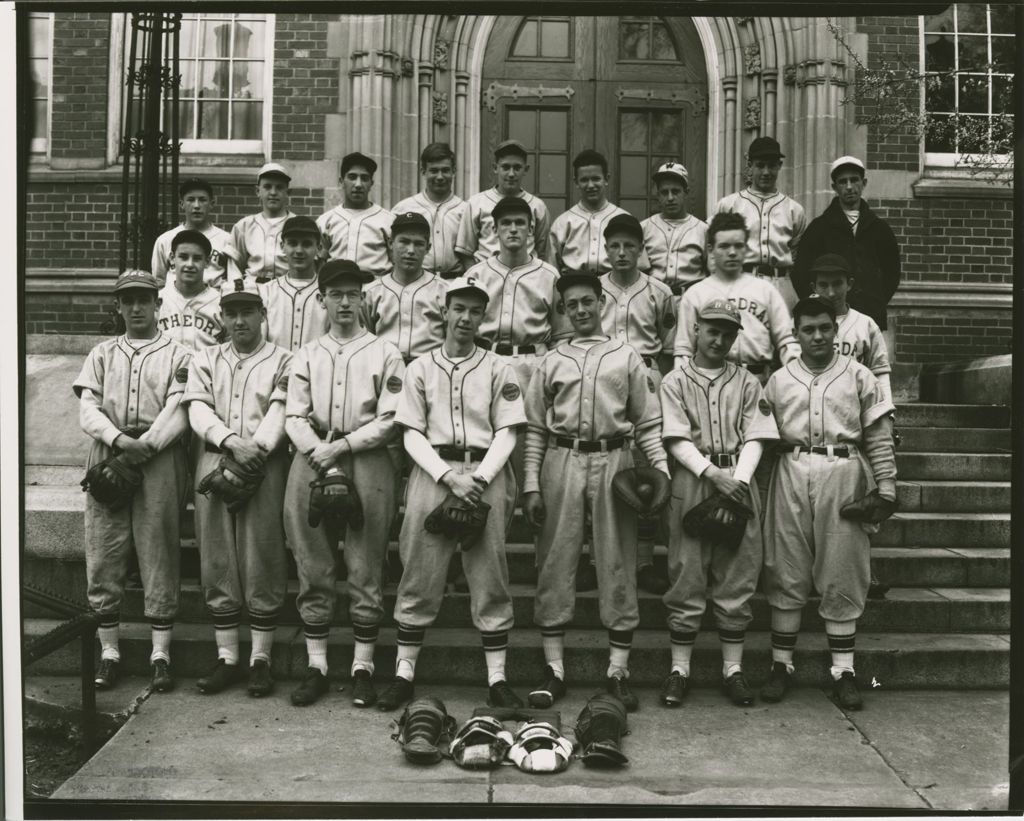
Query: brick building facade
[[323, 85]]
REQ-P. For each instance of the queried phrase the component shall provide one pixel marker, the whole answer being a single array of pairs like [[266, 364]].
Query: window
[[968, 65], [645, 39], [40, 27], [647, 138], [544, 132], [543, 38]]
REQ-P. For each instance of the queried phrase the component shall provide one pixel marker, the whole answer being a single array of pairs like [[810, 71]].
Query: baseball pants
[[571, 484], [807, 542], [242, 557], [426, 556], [150, 523], [647, 529], [694, 562], [372, 472]]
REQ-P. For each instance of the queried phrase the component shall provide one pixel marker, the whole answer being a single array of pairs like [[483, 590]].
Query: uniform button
[[816, 413], [133, 390], [239, 367]]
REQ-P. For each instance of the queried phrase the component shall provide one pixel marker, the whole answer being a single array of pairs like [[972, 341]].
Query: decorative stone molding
[[407, 67], [742, 21], [440, 107], [677, 95], [818, 72], [495, 91], [789, 75], [752, 59], [752, 118], [442, 48]]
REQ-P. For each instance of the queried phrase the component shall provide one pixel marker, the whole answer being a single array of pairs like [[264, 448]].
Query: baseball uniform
[[576, 241], [407, 316], [642, 314], [221, 266], [192, 321], [676, 250], [478, 237], [257, 239], [295, 317], [860, 338], [359, 235], [444, 219]]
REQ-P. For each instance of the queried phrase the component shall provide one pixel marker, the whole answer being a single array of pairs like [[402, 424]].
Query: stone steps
[[954, 440], [937, 415]]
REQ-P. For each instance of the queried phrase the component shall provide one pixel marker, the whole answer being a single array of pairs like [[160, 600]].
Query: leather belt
[[507, 349], [843, 451], [588, 446], [722, 460], [332, 435], [460, 454], [764, 270]]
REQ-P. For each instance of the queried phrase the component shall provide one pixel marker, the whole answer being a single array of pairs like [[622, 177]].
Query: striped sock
[[619, 644], [110, 628], [785, 628], [365, 636], [732, 650], [495, 649], [841, 638], [225, 631], [261, 628], [682, 650], [553, 641], [160, 630], [410, 641], [316, 645]]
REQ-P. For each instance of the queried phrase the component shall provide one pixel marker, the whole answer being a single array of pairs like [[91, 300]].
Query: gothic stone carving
[[752, 59], [441, 49], [440, 107], [752, 120]]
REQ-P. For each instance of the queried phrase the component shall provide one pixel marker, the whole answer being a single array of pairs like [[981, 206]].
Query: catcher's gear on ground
[[424, 726], [645, 489], [112, 482], [718, 519], [455, 518], [481, 743], [599, 730], [233, 483], [540, 748], [334, 497], [870, 509]]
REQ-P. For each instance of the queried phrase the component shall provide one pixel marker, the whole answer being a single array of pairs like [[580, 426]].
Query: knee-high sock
[[785, 627], [732, 650], [495, 649], [682, 650], [841, 638], [410, 641], [316, 645], [553, 641], [365, 636]]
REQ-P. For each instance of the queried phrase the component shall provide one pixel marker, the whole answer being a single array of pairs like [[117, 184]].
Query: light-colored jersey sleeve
[[201, 402], [758, 422], [799, 225], [876, 358], [378, 431], [299, 405], [667, 324], [684, 342], [507, 407], [469, 232], [172, 421], [238, 243], [675, 422], [411, 412], [270, 432], [780, 327]]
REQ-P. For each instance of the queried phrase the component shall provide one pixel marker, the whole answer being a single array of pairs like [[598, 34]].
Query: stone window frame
[[39, 147]]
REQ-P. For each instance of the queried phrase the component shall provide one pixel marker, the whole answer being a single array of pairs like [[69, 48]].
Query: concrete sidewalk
[[928, 750]]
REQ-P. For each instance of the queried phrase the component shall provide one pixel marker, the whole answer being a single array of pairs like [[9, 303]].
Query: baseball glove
[[233, 483], [454, 518], [645, 489], [334, 497], [112, 482], [718, 519], [871, 509]]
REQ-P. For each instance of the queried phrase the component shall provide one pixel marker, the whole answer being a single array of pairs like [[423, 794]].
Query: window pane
[[213, 121], [939, 94], [939, 53], [1002, 91], [552, 174], [971, 17], [530, 177], [556, 205], [188, 38], [940, 22], [666, 131], [939, 136], [40, 78], [522, 126], [1002, 53], [973, 52], [973, 94], [39, 34], [663, 48], [633, 131], [526, 42], [554, 130], [248, 81], [249, 40], [39, 124], [638, 208], [216, 74], [554, 38], [1001, 18], [186, 128], [633, 176], [972, 134], [247, 121], [633, 42]]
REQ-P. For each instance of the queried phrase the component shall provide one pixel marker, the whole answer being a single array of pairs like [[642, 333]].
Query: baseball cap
[[194, 237], [567, 280], [300, 225], [136, 278], [240, 292], [721, 309], [831, 264], [274, 169], [356, 158], [510, 147], [765, 147], [335, 270], [624, 224], [672, 169], [847, 160], [410, 221], [194, 184], [465, 284], [511, 205]]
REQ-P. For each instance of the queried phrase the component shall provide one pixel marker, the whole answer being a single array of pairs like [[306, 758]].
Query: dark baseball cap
[[831, 264], [511, 147], [337, 270], [356, 158], [241, 292], [567, 280], [300, 225], [511, 205], [410, 221], [722, 310], [192, 236], [766, 147], [194, 184], [624, 224]]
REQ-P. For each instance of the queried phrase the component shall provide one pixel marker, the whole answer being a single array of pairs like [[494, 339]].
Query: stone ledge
[[987, 380], [965, 188]]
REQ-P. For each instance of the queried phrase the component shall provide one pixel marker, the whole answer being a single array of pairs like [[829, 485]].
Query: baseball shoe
[[648, 580], [549, 692], [844, 689], [106, 674], [260, 682], [501, 695], [779, 681], [363, 692], [736, 688], [162, 680], [398, 692], [586, 575], [876, 590], [314, 684], [222, 677], [675, 689], [618, 686]]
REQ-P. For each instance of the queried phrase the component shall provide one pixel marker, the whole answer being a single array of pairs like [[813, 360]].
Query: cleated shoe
[[619, 687], [222, 677], [106, 674], [501, 695], [779, 681], [260, 682], [844, 689], [736, 688], [314, 684], [398, 692], [549, 692], [162, 680], [363, 692], [675, 689]]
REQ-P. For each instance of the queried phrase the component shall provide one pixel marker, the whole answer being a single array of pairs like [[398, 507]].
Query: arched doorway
[[634, 88]]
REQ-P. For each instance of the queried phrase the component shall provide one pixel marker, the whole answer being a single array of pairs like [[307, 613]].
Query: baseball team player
[[675, 241], [640, 311], [576, 242], [589, 397], [441, 207], [356, 229], [342, 394], [775, 221], [257, 237], [189, 308], [714, 421], [235, 396], [460, 409], [478, 238], [406, 306], [196, 202], [129, 392], [294, 315], [836, 446]]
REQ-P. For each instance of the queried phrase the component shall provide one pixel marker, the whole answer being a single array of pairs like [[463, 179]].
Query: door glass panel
[[633, 44], [552, 174], [633, 131], [662, 47], [554, 38], [638, 208], [544, 37], [554, 130], [666, 131], [645, 38], [545, 134], [647, 138], [633, 174], [522, 126], [526, 43]]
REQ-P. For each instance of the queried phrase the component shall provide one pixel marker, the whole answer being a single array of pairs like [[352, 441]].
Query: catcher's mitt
[[718, 519], [334, 497], [645, 489], [112, 482], [233, 483], [454, 518], [870, 509]]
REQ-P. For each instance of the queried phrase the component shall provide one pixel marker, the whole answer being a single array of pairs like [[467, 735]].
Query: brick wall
[[305, 86], [944, 339], [80, 57]]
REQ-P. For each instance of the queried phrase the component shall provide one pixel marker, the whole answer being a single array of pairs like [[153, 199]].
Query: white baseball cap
[[467, 284], [672, 169], [273, 168], [845, 161]]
